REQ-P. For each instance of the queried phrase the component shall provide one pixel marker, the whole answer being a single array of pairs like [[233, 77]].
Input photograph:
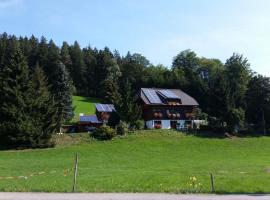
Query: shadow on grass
[[223, 135], [90, 100], [207, 134], [255, 193]]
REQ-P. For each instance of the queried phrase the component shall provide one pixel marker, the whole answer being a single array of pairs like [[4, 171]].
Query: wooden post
[[212, 183], [75, 173], [263, 121]]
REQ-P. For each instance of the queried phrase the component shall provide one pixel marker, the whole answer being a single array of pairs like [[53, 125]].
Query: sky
[[158, 29]]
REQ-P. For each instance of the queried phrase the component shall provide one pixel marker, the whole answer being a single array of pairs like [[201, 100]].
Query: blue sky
[[159, 29]]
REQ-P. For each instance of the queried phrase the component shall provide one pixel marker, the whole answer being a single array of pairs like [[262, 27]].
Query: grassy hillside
[[85, 105], [148, 161]]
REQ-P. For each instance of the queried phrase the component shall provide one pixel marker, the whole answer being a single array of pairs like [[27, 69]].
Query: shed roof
[[90, 119]]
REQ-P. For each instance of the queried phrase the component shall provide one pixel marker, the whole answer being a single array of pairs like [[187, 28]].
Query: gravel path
[[125, 196]]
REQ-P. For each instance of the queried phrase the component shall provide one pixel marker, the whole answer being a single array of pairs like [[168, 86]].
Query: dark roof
[[105, 107], [90, 119], [157, 96]]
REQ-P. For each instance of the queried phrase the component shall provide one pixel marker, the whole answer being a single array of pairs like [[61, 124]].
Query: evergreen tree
[[77, 72], [90, 60], [104, 62], [60, 83], [42, 110], [65, 57], [111, 83], [127, 108], [13, 93], [63, 94], [42, 53], [18, 123]]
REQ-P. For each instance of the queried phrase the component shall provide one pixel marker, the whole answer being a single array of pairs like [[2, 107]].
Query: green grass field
[[148, 161], [85, 105]]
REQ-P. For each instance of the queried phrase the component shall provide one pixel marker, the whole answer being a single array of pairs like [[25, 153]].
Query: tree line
[[38, 79]]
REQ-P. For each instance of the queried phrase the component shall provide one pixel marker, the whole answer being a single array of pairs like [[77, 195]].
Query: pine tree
[[60, 84], [111, 83], [42, 109], [78, 68], [127, 108], [65, 56], [63, 94], [89, 57], [15, 122]]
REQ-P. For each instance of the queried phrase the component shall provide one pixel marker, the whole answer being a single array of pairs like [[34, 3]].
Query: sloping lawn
[[148, 161], [85, 105]]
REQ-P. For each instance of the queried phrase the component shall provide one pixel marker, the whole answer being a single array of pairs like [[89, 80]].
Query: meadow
[[145, 161], [85, 105]]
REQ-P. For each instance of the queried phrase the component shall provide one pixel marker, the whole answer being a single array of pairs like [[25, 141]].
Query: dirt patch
[[267, 170]]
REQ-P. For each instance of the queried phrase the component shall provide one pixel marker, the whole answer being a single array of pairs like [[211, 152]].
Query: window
[[173, 124], [157, 124]]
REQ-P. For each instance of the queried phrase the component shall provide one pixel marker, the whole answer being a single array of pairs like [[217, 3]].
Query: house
[[167, 108], [101, 116], [104, 111], [88, 123]]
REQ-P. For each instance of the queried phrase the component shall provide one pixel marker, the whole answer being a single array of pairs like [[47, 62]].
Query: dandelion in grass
[[193, 186]]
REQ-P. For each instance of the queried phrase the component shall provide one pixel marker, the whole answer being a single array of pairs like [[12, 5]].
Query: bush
[[103, 133], [113, 119], [139, 124], [122, 128]]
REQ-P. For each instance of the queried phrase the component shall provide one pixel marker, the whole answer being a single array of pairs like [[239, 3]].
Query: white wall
[[165, 124], [149, 124]]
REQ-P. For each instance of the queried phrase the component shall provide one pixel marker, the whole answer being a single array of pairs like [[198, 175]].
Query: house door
[[173, 124]]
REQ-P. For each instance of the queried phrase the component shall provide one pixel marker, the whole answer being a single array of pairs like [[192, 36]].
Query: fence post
[[212, 183], [75, 173]]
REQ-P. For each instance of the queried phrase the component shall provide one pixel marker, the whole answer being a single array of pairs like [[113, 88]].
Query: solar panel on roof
[[105, 107], [152, 96], [99, 107], [168, 94], [90, 118]]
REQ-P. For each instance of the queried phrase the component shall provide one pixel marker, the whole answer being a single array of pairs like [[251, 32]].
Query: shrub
[[139, 124], [122, 128], [113, 119], [103, 133]]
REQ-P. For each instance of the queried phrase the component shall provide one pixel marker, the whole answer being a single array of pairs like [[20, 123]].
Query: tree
[[140, 59], [27, 111], [14, 121], [65, 56], [111, 83], [77, 72], [237, 77], [133, 68], [63, 94], [258, 102], [42, 54], [186, 60], [127, 108], [92, 79], [210, 74], [42, 110], [60, 84]]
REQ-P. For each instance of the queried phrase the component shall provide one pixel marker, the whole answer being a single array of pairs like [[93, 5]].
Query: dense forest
[[38, 79]]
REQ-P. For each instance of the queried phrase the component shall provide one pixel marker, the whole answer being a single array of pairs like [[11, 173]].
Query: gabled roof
[[157, 96], [105, 107], [90, 119]]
